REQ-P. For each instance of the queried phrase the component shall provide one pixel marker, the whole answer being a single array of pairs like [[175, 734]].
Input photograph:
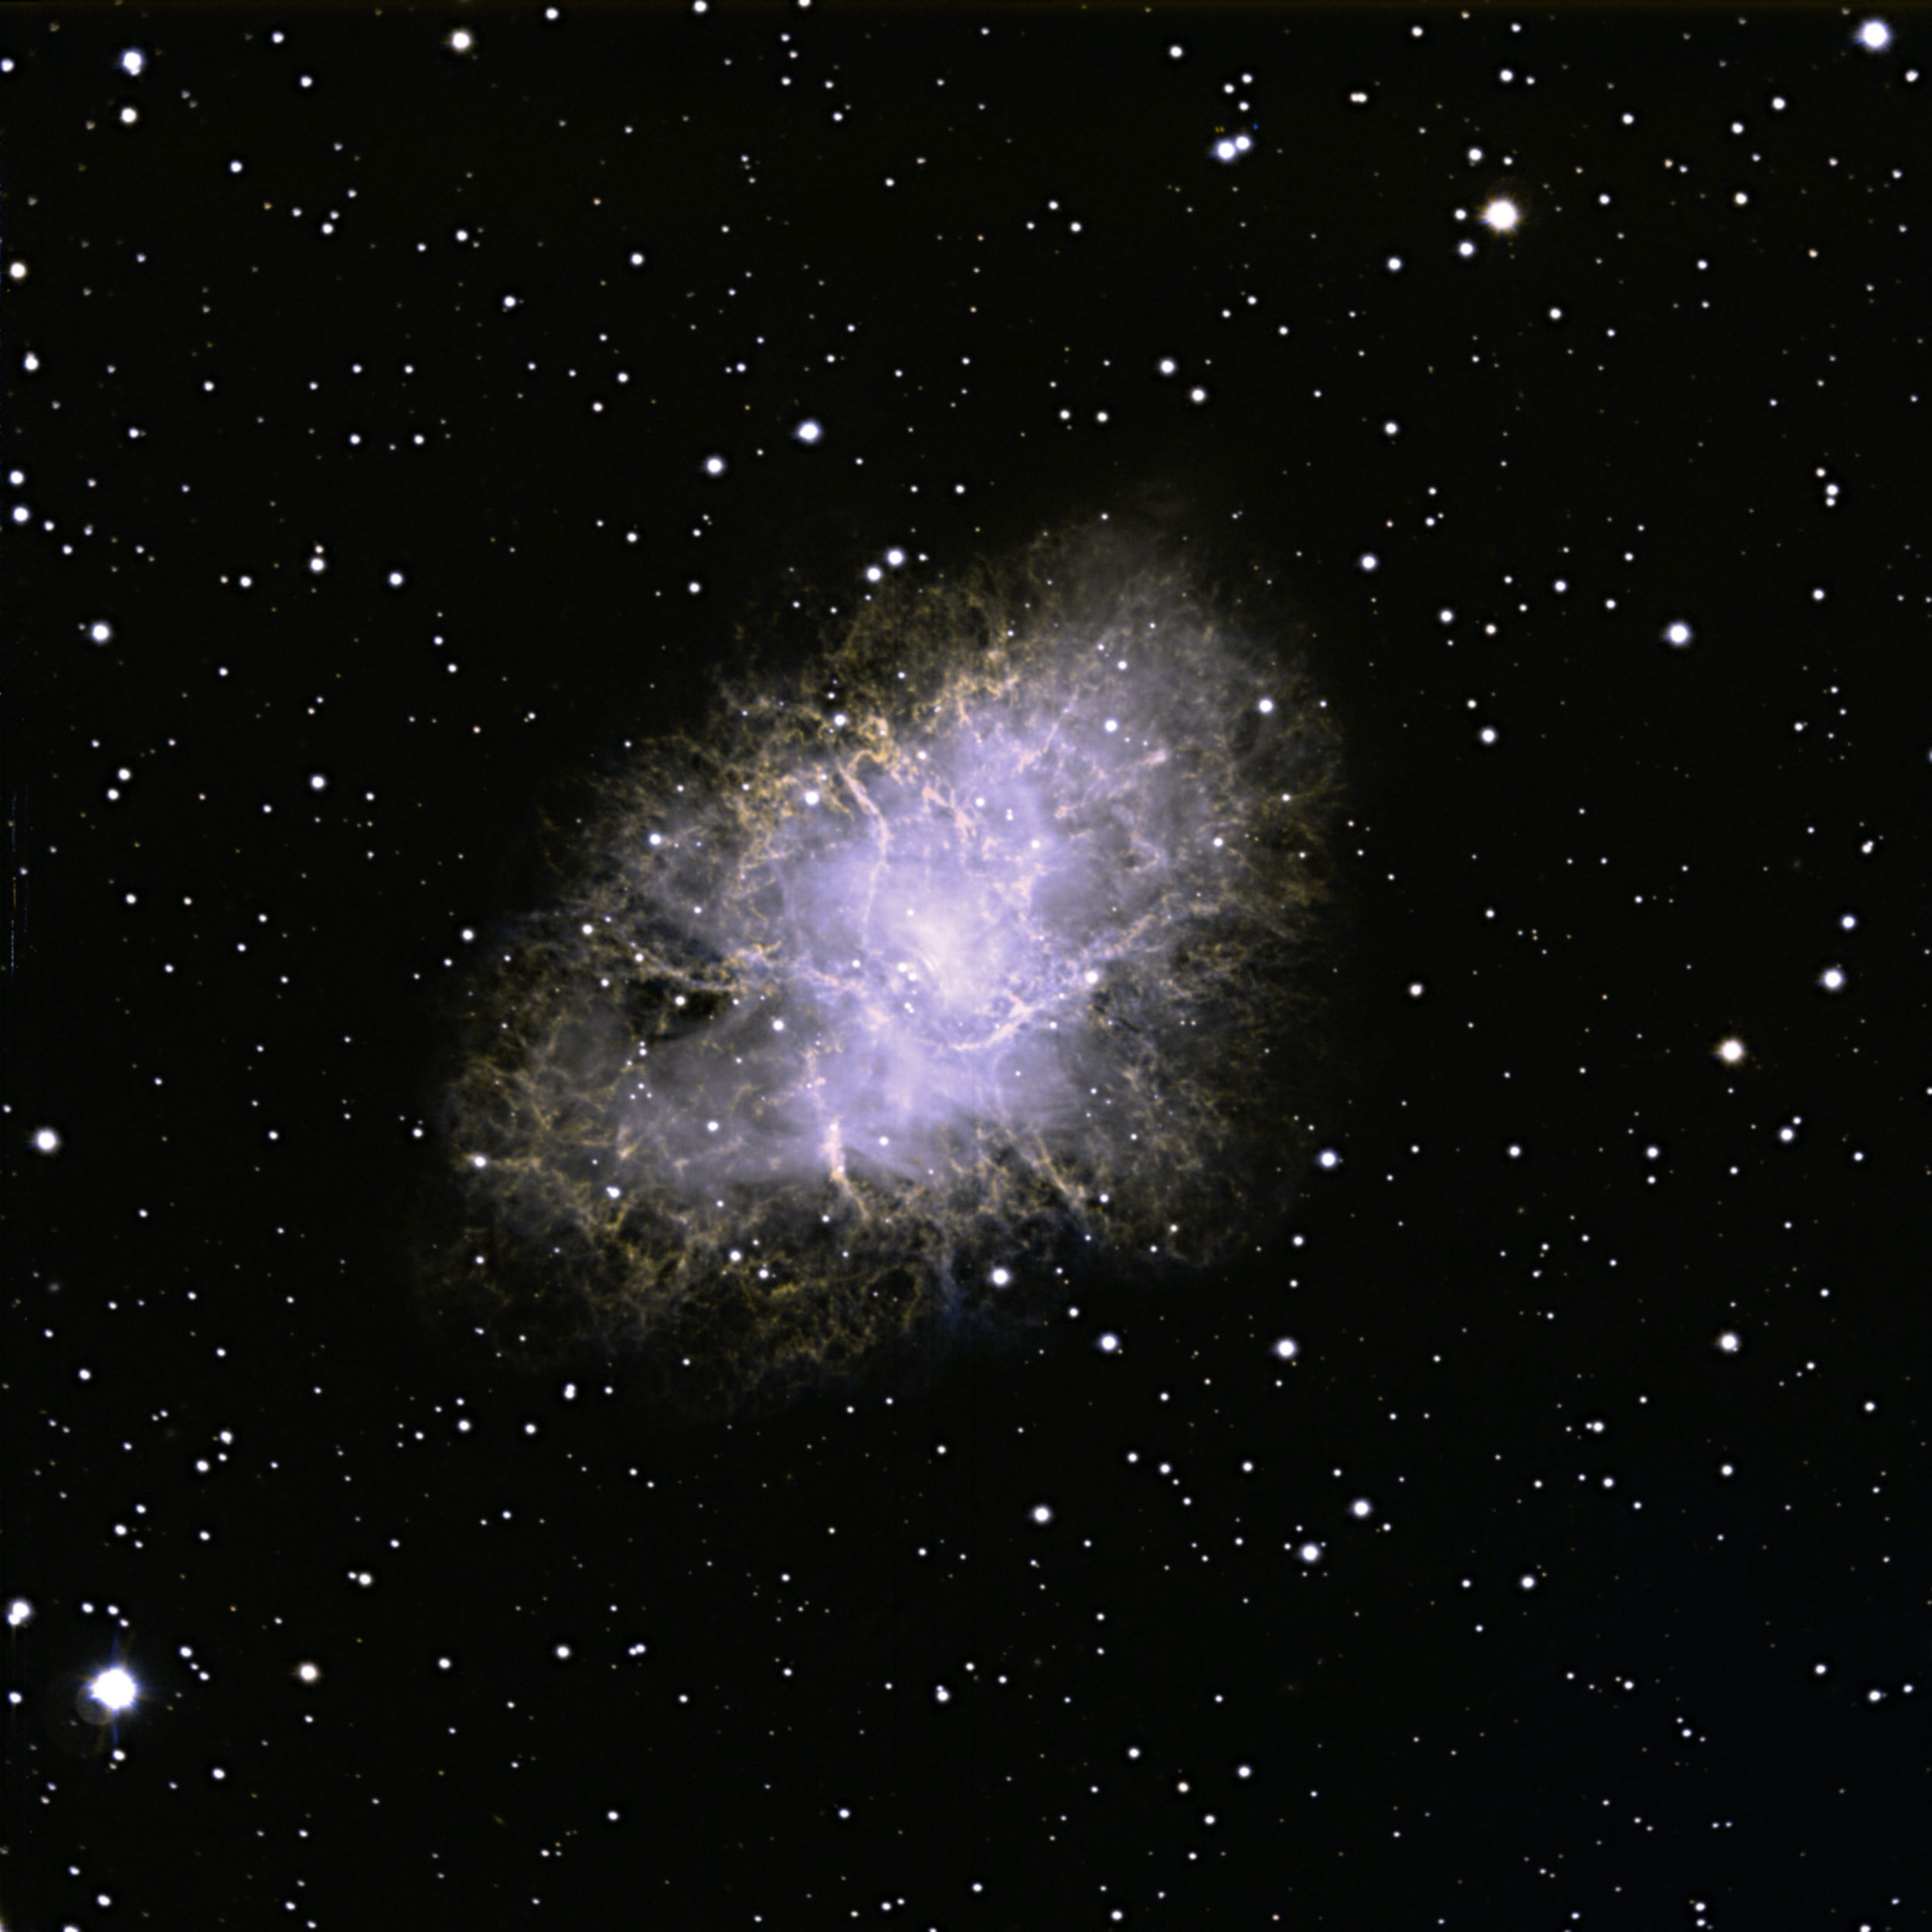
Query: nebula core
[[980, 948]]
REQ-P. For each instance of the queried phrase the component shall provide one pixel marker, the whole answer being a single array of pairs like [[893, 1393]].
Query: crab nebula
[[984, 947]]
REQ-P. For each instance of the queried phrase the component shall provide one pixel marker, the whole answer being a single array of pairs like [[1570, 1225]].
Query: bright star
[[114, 1689]]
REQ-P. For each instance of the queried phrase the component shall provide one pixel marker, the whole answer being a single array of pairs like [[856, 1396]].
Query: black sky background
[[1635, 1632]]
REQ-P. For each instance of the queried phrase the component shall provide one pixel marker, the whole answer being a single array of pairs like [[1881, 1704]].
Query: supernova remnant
[[984, 942]]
